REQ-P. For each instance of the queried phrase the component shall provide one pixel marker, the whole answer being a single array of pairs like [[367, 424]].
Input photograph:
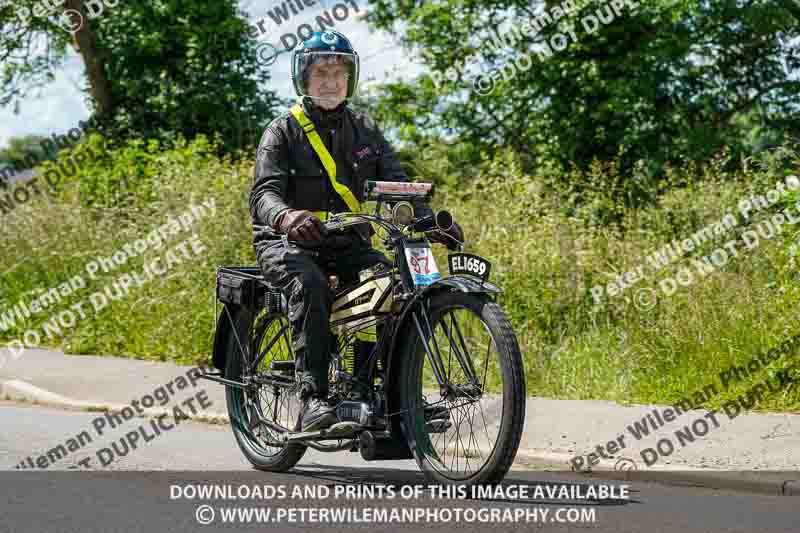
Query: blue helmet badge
[[329, 38]]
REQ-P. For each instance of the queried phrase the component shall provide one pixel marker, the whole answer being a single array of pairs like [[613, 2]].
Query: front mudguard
[[450, 283], [404, 327], [461, 283]]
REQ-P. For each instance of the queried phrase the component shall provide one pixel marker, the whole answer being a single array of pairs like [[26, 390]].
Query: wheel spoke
[[465, 452], [454, 438], [449, 360], [473, 436], [483, 419], [486, 367]]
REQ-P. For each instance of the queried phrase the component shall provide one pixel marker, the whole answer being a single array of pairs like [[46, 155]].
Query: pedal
[[337, 431], [437, 426], [342, 429]]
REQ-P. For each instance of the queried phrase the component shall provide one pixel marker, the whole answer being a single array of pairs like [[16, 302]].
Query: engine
[[359, 412]]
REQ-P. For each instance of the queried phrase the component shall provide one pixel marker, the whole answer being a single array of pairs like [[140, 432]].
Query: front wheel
[[464, 396]]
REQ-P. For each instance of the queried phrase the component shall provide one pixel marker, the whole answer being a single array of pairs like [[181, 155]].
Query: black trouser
[[298, 272]]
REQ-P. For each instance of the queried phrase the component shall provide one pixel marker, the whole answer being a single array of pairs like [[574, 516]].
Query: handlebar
[[440, 221]]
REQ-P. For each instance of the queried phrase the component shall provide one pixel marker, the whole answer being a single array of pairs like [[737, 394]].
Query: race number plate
[[422, 265], [469, 264]]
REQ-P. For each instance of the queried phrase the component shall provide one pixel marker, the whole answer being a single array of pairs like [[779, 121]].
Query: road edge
[[18, 390], [775, 484], [687, 477]]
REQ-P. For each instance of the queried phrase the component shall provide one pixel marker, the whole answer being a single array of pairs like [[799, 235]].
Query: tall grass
[[548, 249], [171, 318]]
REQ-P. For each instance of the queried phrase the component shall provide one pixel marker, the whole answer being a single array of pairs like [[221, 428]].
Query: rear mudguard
[[224, 331], [405, 326]]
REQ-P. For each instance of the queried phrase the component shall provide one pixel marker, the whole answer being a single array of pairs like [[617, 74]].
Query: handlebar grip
[[442, 220]]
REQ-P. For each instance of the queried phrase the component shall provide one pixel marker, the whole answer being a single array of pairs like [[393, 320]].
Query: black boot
[[317, 414]]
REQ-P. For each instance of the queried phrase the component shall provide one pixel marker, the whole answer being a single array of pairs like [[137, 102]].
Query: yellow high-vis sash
[[327, 161], [368, 334]]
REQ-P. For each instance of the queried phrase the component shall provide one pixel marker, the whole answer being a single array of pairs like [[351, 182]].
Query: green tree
[[666, 81], [34, 41], [154, 69], [19, 147], [188, 67]]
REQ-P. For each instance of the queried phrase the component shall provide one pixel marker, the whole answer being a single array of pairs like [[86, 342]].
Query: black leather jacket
[[289, 174]]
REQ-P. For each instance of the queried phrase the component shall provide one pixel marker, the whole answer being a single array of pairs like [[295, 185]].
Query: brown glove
[[455, 232], [300, 225]]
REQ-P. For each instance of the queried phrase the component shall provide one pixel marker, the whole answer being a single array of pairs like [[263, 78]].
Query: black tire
[[241, 403], [509, 366]]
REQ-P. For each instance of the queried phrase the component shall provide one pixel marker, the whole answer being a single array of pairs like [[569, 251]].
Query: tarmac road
[[133, 493]]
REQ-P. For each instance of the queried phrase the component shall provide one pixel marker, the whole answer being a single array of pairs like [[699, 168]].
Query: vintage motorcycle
[[444, 383]]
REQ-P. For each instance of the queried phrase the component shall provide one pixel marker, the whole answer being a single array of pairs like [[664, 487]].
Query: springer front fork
[[448, 389]]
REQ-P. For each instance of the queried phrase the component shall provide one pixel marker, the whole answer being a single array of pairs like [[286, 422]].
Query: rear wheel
[[272, 394], [467, 431]]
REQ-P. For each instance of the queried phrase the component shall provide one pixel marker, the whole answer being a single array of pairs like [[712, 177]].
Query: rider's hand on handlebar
[[301, 225], [451, 238]]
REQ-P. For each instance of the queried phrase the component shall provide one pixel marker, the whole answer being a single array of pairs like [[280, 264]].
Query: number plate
[[422, 265], [469, 264]]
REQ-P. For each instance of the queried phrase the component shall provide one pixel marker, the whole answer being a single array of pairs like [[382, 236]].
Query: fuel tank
[[360, 303]]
